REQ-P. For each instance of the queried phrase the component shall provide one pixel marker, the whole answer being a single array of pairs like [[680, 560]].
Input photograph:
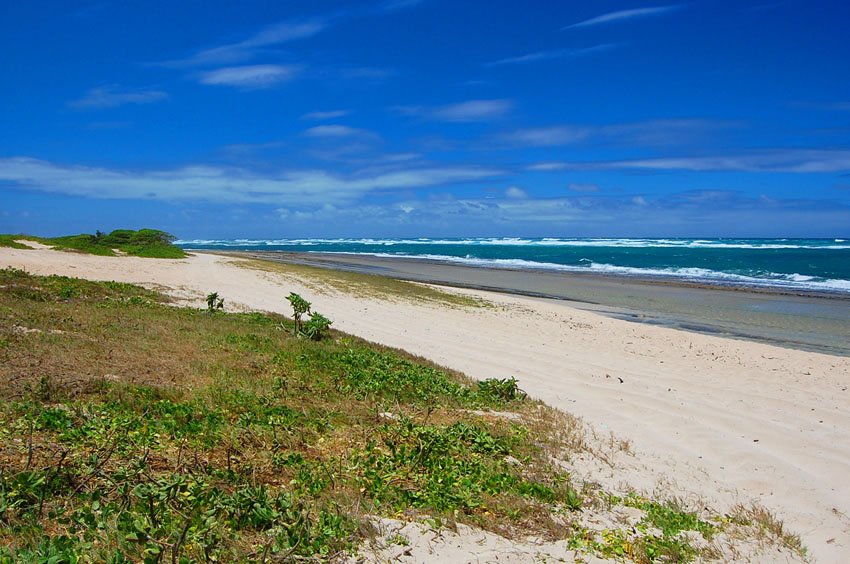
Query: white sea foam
[[767, 244], [700, 275]]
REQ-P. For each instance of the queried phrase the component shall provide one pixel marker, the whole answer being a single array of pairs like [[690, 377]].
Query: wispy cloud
[[249, 76], [112, 96], [801, 161], [516, 193], [226, 184], [546, 166], [547, 136], [585, 215], [472, 110], [276, 34], [644, 133], [240, 51], [468, 111], [664, 131], [321, 116], [553, 54], [623, 15], [337, 131]]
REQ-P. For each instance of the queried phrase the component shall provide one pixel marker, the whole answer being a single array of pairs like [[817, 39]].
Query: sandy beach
[[727, 420]]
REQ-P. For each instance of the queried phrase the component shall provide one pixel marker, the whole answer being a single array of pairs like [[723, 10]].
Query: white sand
[[725, 419]]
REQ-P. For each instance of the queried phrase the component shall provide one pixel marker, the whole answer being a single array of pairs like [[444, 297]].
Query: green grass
[[671, 519], [11, 241], [148, 243], [131, 430]]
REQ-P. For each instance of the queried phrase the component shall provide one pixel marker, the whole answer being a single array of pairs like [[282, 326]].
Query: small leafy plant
[[300, 306], [214, 302], [318, 326], [501, 389]]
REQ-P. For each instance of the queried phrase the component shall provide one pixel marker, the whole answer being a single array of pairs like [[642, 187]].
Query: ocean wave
[[767, 244], [792, 281]]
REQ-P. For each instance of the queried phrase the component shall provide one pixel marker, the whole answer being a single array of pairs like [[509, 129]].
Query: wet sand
[[813, 321]]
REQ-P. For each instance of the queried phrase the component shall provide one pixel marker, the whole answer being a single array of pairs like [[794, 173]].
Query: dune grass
[[11, 241], [366, 285], [132, 430], [149, 243]]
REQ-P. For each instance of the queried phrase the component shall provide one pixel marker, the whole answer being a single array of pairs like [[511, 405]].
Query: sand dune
[[727, 420]]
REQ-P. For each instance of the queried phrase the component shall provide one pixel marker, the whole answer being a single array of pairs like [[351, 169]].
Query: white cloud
[[554, 54], [240, 51], [786, 160], [578, 216], [546, 166], [250, 76], [320, 116], [112, 96], [623, 15], [225, 184], [472, 110], [398, 157], [516, 193], [773, 160], [337, 131], [543, 136], [468, 111], [662, 132], [284, 31]]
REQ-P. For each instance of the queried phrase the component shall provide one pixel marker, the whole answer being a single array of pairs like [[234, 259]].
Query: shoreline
[[349, 261], [811, 321]]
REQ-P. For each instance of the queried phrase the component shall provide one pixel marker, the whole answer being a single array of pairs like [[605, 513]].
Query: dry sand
[[727, 420]]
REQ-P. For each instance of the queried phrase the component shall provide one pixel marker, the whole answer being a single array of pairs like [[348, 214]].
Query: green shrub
[[500, 389], [318, 326], [214, 302], [150, 243], [300, 306]]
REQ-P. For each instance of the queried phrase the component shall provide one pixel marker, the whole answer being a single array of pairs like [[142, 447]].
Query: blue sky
[[426, 118]]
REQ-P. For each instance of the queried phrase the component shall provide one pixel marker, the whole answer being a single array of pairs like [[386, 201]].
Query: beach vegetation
[[11, 241], [150, 243], [317, 326], [767, 526], [506, 389], [133, 430], [365, 285], [214, 302], [300, 306]]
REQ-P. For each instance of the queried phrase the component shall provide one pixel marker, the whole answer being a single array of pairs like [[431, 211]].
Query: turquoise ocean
[[821, 265]]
